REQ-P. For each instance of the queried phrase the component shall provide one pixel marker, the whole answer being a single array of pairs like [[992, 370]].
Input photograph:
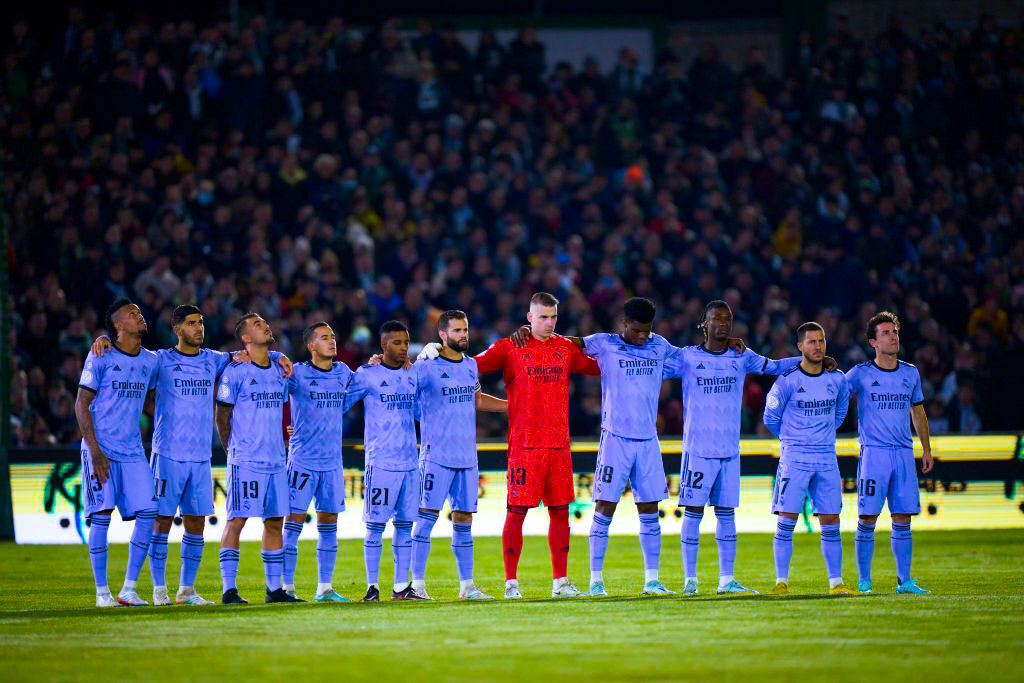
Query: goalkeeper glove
[[430, 351]]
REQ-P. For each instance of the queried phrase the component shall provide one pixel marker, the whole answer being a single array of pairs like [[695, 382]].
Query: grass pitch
[[971, 627]]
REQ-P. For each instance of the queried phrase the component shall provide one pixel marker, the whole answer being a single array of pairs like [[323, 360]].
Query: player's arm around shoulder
[[843, 397], [357, 387], [675, 363], [775, 404], [490, 404], [581, 363], [493, 358], [227, 396], [593, 344], [761, 365]]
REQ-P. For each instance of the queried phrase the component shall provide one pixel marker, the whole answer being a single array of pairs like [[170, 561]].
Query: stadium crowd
[[359, 175]]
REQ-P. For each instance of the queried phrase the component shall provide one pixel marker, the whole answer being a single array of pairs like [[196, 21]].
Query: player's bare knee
[[232, 530], [326, 518], [607, 508], [789, 515], [647, 508], [300, 518], [871, 519], [273, 524], [828, 519], [430, 512], [901, 519], [193, 524], [163, 525], [462, 517]]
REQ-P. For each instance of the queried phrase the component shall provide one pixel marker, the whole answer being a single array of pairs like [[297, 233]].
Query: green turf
[[971, 627]]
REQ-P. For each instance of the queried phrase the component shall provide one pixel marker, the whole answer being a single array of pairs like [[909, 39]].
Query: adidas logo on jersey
[[177, 368], [875, 384], [384, 383], [118, 368], [622, 348], [313, 384], [252, 381], [444, 375], [801, 391], [700, 366]]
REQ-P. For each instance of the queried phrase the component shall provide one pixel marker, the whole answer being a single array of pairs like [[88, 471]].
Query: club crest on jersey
[[831, 389], [735, 368], [906, 383]]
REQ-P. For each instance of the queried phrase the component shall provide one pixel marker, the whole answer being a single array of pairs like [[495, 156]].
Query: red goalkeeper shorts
[[538, 475]]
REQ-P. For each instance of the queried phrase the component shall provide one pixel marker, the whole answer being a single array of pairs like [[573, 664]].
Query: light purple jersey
[[884, 400], [317, 409], [631, 379], [713, 396], [120, 382], [804, 411], [258, 395], [389, 409], [446, 391]]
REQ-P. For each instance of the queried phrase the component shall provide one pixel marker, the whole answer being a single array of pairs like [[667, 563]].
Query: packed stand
[[355, 176]]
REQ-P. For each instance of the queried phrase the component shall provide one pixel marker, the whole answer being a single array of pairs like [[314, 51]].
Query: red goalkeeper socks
[[558, 540], [512, 539]]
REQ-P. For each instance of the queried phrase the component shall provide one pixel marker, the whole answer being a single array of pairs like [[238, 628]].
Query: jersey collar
[[174, 349], [801, 369], [713, 353], [879, 367], [449, 360], [113, 346], [319, 369], [637, 346]]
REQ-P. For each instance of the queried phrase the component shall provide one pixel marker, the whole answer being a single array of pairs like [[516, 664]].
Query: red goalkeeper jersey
[[537, 382]]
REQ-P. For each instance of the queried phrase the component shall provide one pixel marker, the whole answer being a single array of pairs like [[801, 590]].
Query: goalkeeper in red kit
[[539, 462]]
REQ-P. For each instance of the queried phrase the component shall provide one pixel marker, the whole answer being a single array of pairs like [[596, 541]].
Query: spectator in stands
[[327, 172]]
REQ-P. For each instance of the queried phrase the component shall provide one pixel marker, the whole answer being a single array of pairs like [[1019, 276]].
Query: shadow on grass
[[227, 611]]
